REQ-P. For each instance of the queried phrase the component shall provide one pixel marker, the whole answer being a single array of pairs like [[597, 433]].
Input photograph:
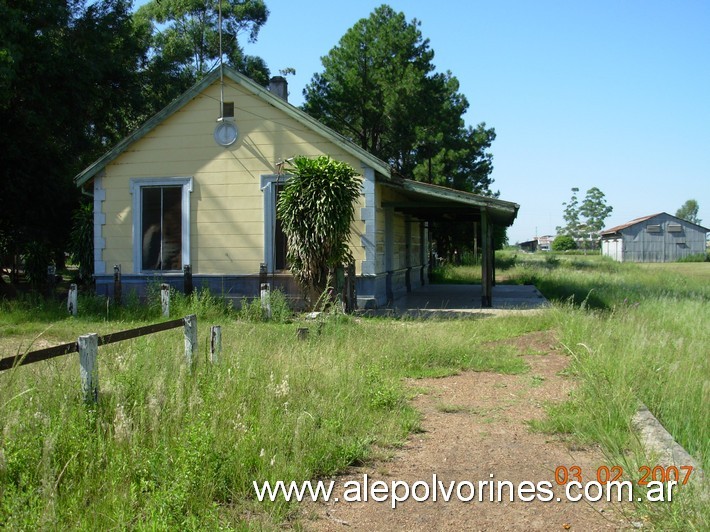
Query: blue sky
[[612, 94]]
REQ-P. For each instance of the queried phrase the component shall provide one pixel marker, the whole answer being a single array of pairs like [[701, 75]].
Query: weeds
[[168, 448]]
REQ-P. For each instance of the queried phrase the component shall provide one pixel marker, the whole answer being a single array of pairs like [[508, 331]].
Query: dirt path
[[474, 426]]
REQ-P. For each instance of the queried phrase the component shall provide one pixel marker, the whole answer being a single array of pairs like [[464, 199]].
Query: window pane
[[280, 239], [172, 228], [161, 228], [151, 228]]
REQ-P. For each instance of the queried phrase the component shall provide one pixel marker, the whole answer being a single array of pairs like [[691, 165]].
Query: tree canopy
[[76, 76], [184, 36], [69, 87], [689, 212], [379, 88], [584, 222]]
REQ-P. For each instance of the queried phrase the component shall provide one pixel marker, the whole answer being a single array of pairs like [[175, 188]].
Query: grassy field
[[635, 333], [169, 448]]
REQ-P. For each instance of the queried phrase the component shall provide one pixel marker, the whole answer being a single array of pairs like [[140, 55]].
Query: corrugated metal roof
[[618, 228]]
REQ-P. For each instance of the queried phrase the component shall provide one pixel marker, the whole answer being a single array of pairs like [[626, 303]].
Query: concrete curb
[[657, 441]]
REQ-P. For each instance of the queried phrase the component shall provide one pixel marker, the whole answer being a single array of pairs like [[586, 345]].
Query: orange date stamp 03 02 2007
[[679, 474]]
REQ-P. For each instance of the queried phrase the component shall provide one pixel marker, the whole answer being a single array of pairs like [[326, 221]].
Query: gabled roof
[[635, 221], [421, 198], [619, 228], [250, 86]]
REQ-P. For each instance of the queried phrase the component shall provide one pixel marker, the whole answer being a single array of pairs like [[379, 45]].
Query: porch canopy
[[433, 203]]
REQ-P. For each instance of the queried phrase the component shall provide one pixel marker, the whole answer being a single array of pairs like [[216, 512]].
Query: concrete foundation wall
[[373, 291]]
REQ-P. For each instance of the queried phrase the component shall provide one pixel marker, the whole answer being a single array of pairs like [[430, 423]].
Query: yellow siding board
[[232, 228], [228, 216], [235, 256], [227, 267], [227, 232], [233, 242]]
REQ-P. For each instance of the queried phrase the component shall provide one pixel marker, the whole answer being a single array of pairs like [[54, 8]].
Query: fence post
[[190, 338], [117, 284], [266, 300], [187, 279], [350, 289], [72, 300], [215, 343], [262, 273], [88, 349], [51, 279], [165, 299]]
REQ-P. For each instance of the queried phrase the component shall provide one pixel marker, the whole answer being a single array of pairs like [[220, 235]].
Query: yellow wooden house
[[197, 185]]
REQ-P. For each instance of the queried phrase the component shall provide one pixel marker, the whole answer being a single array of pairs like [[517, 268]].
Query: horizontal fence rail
[[73, 347]]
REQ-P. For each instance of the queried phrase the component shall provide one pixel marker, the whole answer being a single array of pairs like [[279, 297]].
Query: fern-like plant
[[81, 240], [316, 209]]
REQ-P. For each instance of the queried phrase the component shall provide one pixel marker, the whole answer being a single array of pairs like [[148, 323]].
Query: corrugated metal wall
[[663, 238]]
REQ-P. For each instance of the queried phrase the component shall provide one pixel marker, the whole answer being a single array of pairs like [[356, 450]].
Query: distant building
[[529, 246], [544, 243], [656, 238], [539, 243]]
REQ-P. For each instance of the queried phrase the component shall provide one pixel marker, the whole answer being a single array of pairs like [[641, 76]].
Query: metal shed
[[655, 238]]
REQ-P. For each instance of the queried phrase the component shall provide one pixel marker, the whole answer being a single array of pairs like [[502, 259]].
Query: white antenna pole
[[221, 69]]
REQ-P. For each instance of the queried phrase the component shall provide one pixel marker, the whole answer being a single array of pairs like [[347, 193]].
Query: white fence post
[[88, 349], [165, 299], [266, 300], [72, 300], [190, 338], [215, 343]]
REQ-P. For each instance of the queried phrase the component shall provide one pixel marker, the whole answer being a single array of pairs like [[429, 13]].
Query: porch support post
[[487, 261]]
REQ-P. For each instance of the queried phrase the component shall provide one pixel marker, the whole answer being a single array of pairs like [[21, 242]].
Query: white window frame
[[268, 187], [136, 185]]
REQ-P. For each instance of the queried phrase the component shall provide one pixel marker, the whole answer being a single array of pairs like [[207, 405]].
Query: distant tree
[[571, 217], [379, 89], [689, 212], [595, 210], [563, 243], [585, 221]]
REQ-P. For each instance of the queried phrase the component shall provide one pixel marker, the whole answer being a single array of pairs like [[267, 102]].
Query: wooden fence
[[87, 347]]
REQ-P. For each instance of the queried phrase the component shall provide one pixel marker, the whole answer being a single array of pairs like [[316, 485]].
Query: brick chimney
[[278, 86]]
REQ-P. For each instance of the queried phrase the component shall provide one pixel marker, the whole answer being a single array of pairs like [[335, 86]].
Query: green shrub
[[697, 257], [505, 261], [251, 309], [316, 209], [552, 261], [37, 257], [563, 243], [81, 241]]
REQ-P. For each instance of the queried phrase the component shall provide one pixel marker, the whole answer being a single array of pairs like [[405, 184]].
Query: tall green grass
[[635, 333], [167, 448]]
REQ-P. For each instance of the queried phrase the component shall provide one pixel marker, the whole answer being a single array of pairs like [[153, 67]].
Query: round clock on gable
[[226, 133]]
